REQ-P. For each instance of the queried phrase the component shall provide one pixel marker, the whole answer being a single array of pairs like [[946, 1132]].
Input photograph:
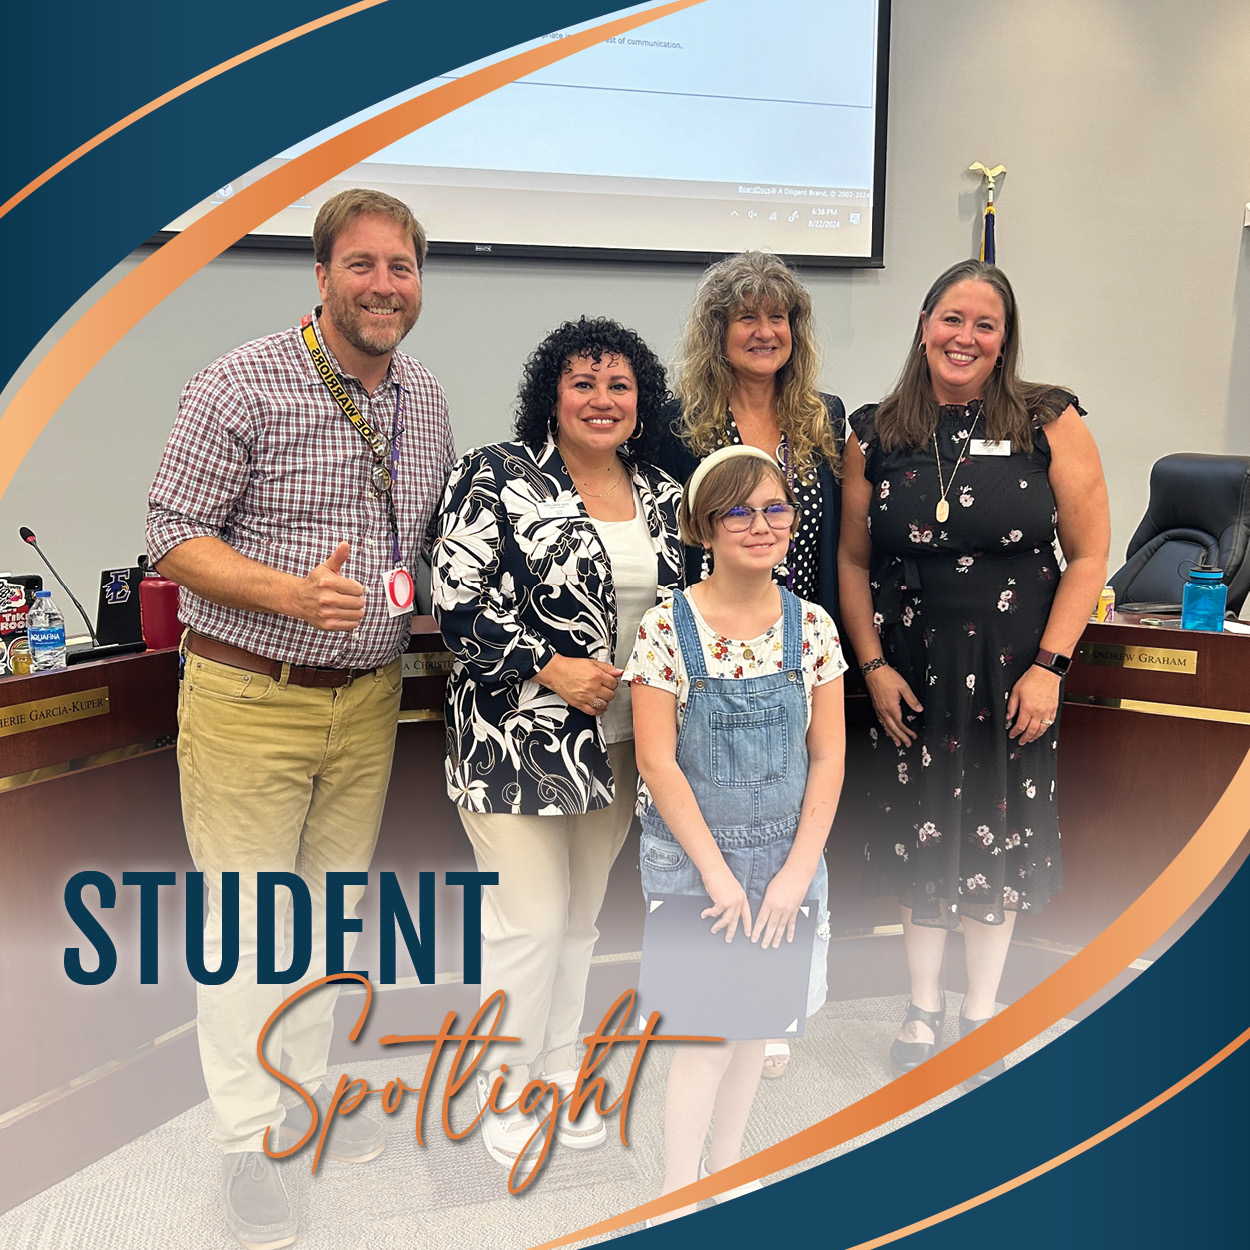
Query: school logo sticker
[[117, 588]]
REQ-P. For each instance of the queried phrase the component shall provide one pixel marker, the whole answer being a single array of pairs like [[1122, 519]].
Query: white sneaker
[[738, 1191], [589, 1130], [509, 1136]]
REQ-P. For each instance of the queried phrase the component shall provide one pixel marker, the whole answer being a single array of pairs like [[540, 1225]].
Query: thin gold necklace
[[943, 509], [620, 477], [589, 494]]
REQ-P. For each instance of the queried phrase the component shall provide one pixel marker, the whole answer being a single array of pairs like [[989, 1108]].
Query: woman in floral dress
[[964, 619], [549, 551]]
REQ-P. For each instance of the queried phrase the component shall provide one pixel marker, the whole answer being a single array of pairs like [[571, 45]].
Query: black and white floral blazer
[[520, 575]]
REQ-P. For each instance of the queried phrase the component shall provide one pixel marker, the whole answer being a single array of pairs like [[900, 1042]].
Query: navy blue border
[[75, 68], [1173, 1178]]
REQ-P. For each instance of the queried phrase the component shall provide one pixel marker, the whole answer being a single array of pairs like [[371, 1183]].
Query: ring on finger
[[598, 705], [1048, 722]]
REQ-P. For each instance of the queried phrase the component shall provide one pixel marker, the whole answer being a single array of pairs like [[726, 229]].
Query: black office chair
[[1199, 506]]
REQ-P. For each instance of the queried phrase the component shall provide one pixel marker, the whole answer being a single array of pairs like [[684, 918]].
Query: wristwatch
[[1053, 662]]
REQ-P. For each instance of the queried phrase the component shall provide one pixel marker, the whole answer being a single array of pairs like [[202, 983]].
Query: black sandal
[[997, 1068], [904, 1056]]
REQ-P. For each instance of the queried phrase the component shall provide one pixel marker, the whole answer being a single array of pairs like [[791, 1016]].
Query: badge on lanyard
[[399, 590], [397, 584]]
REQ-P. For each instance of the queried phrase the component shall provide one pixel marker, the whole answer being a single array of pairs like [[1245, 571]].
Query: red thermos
[[158, 610]]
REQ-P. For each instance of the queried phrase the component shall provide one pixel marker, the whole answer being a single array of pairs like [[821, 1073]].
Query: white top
[[657, 660], [631, 554]]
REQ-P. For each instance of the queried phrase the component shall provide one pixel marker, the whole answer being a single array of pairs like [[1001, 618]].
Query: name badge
[[399, 590], [983, 447], [558, 509]]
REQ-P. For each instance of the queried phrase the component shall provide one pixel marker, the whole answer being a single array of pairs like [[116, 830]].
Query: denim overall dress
[[743, 748]]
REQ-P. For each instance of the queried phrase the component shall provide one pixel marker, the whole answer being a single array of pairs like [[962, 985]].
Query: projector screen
[[731, 125]]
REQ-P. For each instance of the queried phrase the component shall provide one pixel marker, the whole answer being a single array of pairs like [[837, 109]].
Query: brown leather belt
[[297, 674]]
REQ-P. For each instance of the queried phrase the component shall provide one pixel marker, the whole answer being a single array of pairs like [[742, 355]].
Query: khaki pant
[[538, 923], [276, 778]]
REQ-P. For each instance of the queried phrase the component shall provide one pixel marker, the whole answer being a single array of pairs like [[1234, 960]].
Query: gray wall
[[1122, 126]]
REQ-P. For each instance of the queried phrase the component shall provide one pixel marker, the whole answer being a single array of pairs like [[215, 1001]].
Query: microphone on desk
[[96, 651], [28, 537]]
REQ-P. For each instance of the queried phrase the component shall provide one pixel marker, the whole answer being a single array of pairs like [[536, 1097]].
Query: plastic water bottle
[[45, 627], [1203, 599]]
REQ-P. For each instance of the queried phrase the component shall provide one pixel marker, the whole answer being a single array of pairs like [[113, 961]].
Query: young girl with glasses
[[706, 662]]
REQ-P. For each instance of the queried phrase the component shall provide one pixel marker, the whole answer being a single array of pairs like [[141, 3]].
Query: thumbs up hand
[[328, 600]]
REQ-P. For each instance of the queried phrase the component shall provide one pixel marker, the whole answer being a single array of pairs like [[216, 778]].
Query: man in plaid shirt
[[289, 524]]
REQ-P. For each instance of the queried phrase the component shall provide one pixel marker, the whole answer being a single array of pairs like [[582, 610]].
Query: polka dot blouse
[[801, 571]]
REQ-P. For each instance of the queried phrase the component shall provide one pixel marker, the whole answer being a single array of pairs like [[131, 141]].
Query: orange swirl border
[[129, 120], [99, 328], [1160, 906], [87, 341], [1042, 1168]]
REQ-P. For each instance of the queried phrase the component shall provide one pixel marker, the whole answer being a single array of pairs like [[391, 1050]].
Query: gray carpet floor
[[161, 1190]]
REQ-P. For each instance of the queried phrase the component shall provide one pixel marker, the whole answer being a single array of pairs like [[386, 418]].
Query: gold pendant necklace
[[943, 509]]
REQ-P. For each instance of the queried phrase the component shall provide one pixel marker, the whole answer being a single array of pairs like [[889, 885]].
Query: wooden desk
[[1145, 754], [84, 1070], [1155, 723], [99, 792]]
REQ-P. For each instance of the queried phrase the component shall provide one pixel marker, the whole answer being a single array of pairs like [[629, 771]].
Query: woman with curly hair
[[549, 551], [747, 374]]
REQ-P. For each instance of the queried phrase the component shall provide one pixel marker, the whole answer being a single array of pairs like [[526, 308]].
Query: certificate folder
[[702, 985]]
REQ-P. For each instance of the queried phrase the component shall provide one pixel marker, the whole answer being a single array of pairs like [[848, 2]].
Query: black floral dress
[[964, 820]]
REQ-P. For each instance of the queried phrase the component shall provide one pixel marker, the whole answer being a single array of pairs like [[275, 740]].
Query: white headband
[[719, 456]]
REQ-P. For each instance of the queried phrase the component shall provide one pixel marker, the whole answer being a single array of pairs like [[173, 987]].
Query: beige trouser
[[538, 923], [276, 778]]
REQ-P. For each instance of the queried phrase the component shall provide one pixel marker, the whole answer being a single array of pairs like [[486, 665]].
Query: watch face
[[1053, 660]]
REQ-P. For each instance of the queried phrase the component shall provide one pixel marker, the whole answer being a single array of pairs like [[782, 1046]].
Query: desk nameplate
[[20, 718], [1125, 655], [1221, 715], [428, 664]]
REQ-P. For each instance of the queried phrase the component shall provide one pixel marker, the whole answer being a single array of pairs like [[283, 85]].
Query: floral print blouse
[[520, 574]]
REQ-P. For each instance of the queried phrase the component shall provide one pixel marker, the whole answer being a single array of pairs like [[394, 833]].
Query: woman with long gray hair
[[748, 373]]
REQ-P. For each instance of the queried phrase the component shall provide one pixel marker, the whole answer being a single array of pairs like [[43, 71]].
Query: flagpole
[[987, 228]]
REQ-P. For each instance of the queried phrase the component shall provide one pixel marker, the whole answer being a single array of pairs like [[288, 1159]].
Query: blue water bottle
[[1204, 598]]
